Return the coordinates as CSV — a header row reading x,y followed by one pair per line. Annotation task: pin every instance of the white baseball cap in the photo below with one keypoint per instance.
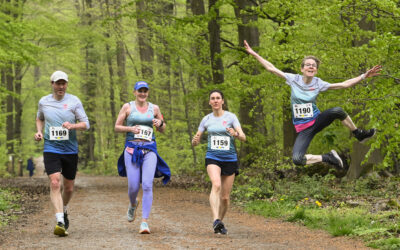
x,y
59,75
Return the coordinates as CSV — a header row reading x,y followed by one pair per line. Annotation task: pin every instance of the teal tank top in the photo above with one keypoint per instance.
x,y
137,118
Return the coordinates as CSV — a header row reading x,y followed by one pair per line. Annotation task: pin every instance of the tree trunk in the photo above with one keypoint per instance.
x,y
8,72
112,83
109,57
356,168
253,126
18,108
90,77
165,9
202,78
121,64
144,38
289,132
359,150
189,130
215,43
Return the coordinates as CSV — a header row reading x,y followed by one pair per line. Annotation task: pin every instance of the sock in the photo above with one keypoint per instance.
x,y
65,208
325,158
355,131
60,217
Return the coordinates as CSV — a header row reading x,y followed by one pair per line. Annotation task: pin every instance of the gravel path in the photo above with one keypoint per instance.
x,y
180,219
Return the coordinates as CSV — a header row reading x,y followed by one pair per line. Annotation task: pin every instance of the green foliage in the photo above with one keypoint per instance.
x,y
339,208
391,243
57,36
8,201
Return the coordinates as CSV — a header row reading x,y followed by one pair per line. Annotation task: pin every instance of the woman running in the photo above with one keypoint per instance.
x,y
140,161
307,118
221,158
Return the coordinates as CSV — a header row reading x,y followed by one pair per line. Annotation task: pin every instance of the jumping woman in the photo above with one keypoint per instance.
x,y
308,120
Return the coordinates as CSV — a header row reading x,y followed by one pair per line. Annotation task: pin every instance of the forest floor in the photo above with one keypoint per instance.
x,y
179,219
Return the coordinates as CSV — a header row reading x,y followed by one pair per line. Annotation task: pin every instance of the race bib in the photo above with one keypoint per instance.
x,y
58,134
220,142
303,110
146,133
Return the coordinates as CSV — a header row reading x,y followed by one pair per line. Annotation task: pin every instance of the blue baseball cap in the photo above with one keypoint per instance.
x,y
141,84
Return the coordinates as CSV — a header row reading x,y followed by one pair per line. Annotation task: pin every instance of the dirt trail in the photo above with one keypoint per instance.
x,y
179,219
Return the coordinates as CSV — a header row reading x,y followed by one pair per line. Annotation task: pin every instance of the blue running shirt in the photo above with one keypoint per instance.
x,y
304,94
55,113
137,118
220,145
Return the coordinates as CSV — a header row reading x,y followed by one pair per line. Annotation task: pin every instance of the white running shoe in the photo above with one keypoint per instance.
x,y
144,228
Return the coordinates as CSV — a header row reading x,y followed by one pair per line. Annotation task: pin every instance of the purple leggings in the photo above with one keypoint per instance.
x,y
133,173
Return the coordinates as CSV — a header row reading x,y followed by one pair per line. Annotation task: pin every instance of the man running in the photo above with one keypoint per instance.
x,y
60,114
307,118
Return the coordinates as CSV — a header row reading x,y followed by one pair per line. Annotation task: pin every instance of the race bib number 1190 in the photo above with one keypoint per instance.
x,y
58,134
303,110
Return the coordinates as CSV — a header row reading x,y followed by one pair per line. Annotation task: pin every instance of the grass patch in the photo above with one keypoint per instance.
x,y
366,209
8,203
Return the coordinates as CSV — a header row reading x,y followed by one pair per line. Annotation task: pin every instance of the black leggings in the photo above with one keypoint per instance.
x,y
304,138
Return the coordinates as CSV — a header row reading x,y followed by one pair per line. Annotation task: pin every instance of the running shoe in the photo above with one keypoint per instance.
x,y
219,227
60,229
364,135
334,159
144,228
130,215
66,221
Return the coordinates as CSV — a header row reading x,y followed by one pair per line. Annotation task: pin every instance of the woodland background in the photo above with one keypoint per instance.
x,y
186,48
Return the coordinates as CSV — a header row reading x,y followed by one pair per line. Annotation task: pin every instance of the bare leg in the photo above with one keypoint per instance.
x,y
349,123
55,192
227,183
313,158
68,191
214,172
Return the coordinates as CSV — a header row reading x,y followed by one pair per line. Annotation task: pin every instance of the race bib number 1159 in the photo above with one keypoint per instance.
x,y
58,134
220,142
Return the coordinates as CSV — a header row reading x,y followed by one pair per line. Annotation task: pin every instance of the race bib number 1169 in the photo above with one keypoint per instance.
x,y
58,134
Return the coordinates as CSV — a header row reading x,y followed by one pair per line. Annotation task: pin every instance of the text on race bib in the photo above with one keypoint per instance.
x,y
303,110
146,133
220,142
58,134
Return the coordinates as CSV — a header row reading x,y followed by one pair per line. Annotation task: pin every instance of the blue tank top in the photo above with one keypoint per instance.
x,y
137,118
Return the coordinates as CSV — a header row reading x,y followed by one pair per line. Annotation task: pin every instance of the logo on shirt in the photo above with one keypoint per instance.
x,y
224,123
65,106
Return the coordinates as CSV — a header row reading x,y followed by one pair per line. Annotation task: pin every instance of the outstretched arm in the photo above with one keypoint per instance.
x,y
269,66
353,81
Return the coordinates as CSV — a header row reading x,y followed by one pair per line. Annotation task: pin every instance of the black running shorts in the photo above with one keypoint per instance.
x,y
227,167
67,164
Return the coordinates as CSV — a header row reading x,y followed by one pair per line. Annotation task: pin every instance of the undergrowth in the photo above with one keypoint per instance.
x,y
367,208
